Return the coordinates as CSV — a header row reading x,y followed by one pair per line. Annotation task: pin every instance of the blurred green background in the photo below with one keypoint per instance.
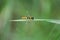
x,y
39,30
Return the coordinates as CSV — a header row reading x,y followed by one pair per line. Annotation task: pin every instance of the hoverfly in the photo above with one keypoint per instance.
x,y
25,17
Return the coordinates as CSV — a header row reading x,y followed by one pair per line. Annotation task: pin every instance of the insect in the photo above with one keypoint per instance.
x,y
29,17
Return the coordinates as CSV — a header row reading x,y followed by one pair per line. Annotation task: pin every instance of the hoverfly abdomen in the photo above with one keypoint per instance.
x,y
24,17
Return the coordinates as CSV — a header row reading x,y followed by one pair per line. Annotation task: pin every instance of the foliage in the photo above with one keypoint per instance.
x,y
40,30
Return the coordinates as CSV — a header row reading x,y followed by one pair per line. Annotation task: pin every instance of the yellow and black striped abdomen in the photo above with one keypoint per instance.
x,y
24,17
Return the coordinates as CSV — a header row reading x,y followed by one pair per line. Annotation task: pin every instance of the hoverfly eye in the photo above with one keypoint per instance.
x,y
32,17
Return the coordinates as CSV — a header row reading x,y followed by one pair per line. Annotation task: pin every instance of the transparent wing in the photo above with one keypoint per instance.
x,y
19,20
48,20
